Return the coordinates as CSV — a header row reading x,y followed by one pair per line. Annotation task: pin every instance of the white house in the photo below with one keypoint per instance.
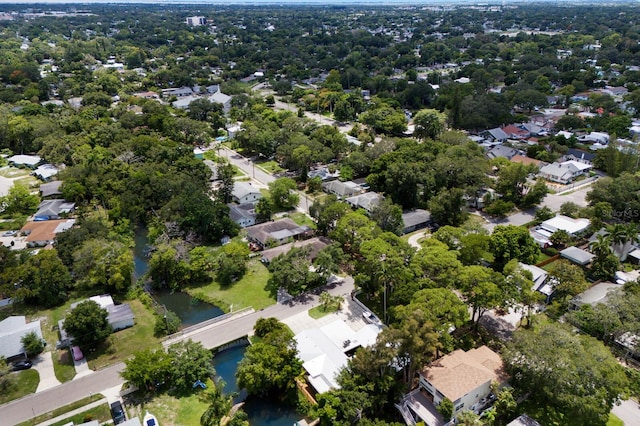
x,y
12,329
220,98
573,227
196,21
564,172
463,377
243,214
245,192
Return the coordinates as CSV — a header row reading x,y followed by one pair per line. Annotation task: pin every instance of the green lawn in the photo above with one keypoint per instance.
x,y
14,172
542,257
20,384
302,219
614,420
61,410
101,413
170,410
270,166
119,345
320,311
63,365
249,291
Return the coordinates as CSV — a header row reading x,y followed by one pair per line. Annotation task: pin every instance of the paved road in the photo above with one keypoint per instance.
x,y
629,412
43,402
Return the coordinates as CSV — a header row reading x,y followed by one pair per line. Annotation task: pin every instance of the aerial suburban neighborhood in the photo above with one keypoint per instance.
x,y
320,214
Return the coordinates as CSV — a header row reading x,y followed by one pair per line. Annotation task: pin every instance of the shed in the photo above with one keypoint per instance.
x,y
577,255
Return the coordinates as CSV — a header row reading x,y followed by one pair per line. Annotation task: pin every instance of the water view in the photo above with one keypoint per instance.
x,y
261,412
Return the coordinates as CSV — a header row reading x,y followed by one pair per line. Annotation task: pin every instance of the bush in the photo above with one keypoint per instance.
x,y
550,251
446,409
33,344
499,208
166,324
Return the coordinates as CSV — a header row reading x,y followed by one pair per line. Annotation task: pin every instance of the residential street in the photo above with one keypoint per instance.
x,y
217,335
629,412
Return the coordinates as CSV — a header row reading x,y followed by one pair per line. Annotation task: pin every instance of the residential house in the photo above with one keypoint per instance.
x,y
179,92
12,330
245,192
367,201
565,172
326,350
53,209
221,98
41,234
45,172
313,245
342,189
119,316
276,233
579,156
616,92
147,95
28,161
184,102
595,137
573,227
541,282
243,214
496,135
595,294
577,256
516,132
50,189
415,219
502,151
527,161
465,378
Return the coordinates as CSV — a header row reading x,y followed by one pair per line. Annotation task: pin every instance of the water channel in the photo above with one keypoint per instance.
x,y
261,412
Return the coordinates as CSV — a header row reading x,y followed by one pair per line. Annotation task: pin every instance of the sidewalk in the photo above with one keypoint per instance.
x,y
74,412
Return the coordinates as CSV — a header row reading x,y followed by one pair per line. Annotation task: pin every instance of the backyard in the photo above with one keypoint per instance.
x,y
171,410
248,291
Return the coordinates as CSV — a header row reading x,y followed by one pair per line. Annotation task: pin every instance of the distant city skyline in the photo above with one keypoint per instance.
x,y
312,2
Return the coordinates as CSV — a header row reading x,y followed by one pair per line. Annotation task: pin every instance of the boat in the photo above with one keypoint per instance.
x,y
149,420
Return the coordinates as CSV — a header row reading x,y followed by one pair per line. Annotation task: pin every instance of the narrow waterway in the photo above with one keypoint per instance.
x,y
261,412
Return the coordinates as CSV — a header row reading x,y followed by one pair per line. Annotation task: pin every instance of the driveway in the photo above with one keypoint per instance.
x,y
628,411
44,365
82,368
413,240
5,185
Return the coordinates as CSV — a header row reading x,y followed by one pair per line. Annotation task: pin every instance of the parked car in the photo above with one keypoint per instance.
x,y
21,365
9,233
77,353
117,412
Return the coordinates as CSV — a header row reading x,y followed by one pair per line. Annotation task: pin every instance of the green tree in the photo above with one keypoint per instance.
x,y
480,290
148,369
103,264
429,123
270,366
232,263
168,266
88,325
225,172
219,410
190,361
448,207
568,278
388,217
19,201
290,271
32,344
445,408
341,407
43,279
167,323
6,379
282,193
513,242
569,395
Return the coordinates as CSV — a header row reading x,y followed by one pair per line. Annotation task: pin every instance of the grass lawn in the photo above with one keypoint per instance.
x,y
119,345
614,420
270,166
210,155
101,413
542,257
302,219
61,410
170,410
14,172
320,311
63,365
22,383
12,223
249,291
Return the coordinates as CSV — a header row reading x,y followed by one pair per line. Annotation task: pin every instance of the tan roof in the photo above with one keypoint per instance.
x,y
525,160
45,230
460,372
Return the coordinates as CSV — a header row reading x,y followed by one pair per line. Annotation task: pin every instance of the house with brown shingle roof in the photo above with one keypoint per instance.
x,y
527,160
463,377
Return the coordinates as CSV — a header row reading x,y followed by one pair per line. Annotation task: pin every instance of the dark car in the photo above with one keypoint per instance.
x,y
117,412
21,365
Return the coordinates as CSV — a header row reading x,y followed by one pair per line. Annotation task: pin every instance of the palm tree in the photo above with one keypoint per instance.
x,y
622,237
601,246
219,406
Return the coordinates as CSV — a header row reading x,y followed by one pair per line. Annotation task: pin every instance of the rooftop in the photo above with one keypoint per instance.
x,y
46,230
572,226
595,294
460,372
577,255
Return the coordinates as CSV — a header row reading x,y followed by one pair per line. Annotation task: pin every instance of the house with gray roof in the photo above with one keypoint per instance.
x,y
579,156
50,189
496,135
577,255
276,233
221,98
541,282
415,219
564,172
243,214
245,192
179,92
29,161
53,209
502,151
45,172
598,293
342,189
12,330
313,245
367,201
184,102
